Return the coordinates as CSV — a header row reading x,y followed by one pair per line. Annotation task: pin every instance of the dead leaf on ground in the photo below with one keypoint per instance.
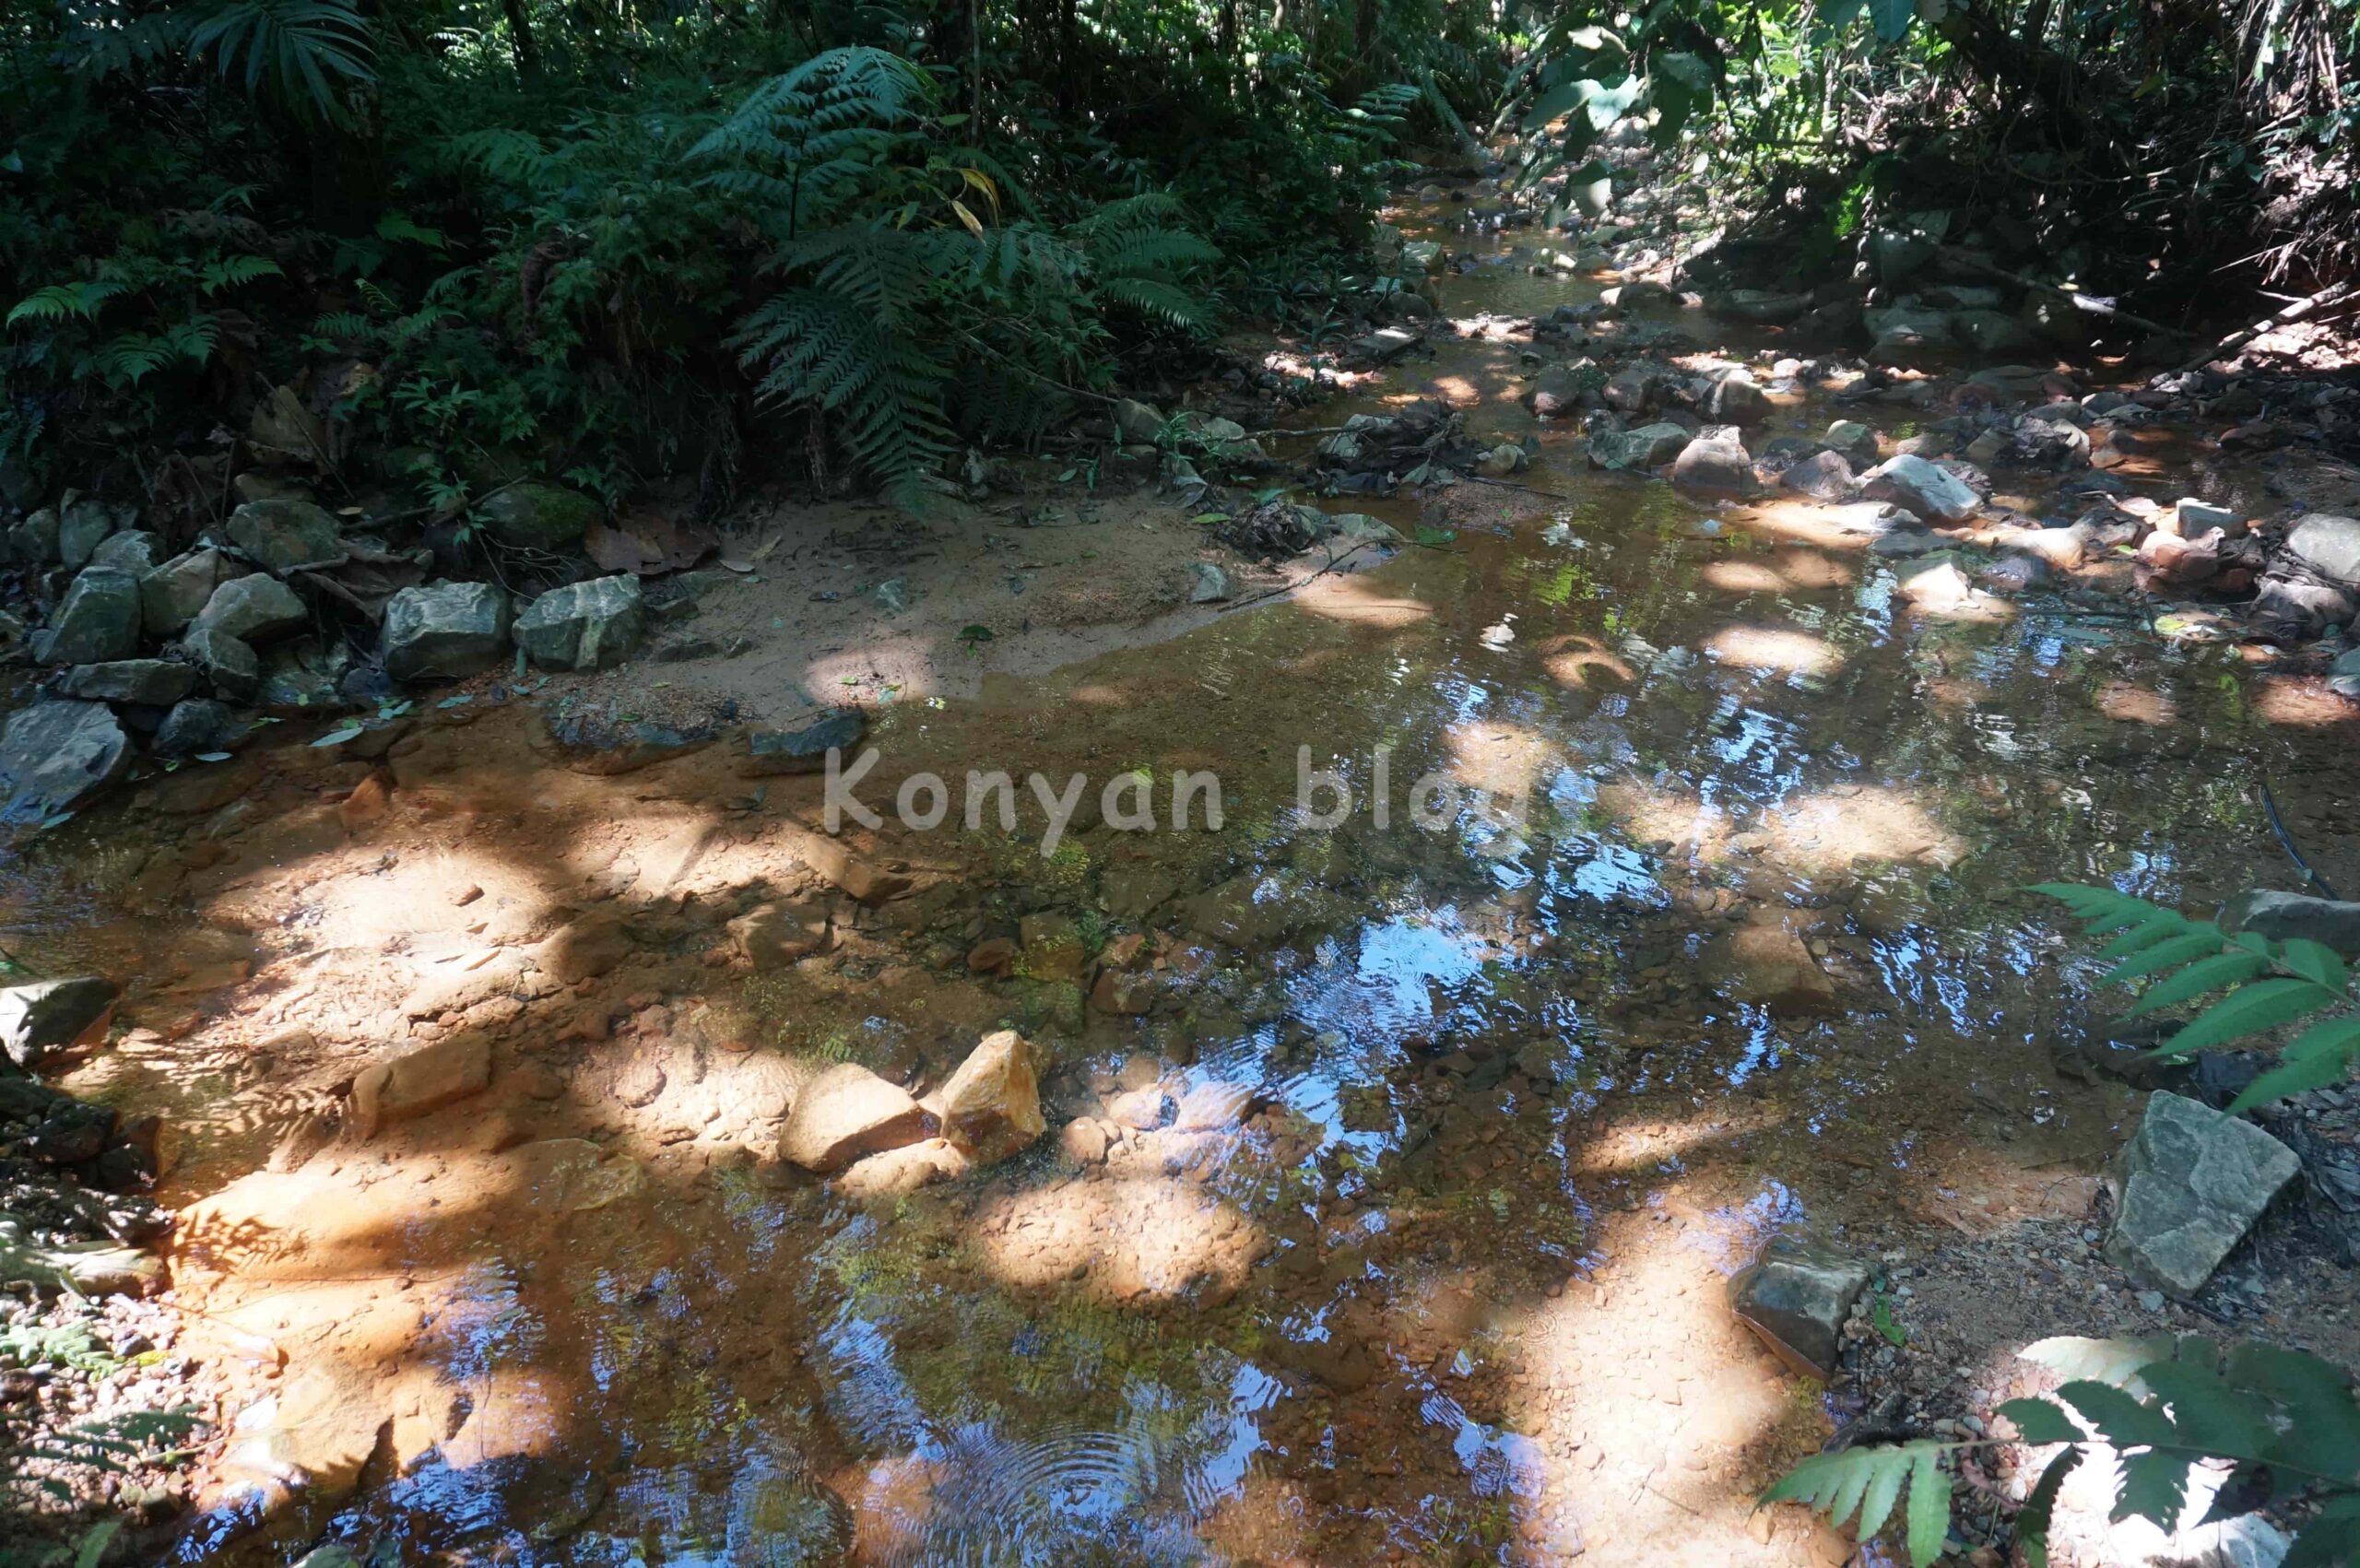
x,y
646,544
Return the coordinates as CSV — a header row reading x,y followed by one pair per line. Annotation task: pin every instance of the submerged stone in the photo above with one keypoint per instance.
x,y
2281,916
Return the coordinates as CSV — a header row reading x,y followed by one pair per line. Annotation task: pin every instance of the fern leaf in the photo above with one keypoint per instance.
x,y
2206,974
1833,1484
2156,924
60,300
2287,1078
1929,1506
2196,943
2249,1011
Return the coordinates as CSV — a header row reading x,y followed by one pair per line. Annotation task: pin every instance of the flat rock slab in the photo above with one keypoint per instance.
x,y
847,1114
803,749
2189,1185
418,1081
1795,1297
54,756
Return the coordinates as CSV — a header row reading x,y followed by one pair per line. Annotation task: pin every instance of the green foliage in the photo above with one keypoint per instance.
x,y
2270,985
301,53
2162,1406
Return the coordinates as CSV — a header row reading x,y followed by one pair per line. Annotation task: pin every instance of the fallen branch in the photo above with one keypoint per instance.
x,y
2335,293
2088,303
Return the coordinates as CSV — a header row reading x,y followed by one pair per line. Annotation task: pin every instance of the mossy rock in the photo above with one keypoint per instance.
x,y
536,516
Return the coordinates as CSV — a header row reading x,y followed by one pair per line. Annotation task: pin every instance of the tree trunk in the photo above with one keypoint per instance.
x,y
1225,30
520,39
1068,68
1364,31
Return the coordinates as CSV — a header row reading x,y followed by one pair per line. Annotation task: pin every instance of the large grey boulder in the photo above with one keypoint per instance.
x,y
1795,1297
172,594
1993,332
1927,489
1909,336
54,756
2188,1184
2331,922
592,625
536,516
253,608
49,1015
803,749
98,620
2329,546
1649,446
445,629
158,683
34,541
280,534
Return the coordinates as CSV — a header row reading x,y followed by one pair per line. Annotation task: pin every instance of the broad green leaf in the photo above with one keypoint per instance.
x,y
2264,1004
2334,1037
2039,1421
2290,1078
2205,975
2153,1486
2032,1522
2331,1541
2314,962
2208,1414
1892,18
2116,1417
1929,1507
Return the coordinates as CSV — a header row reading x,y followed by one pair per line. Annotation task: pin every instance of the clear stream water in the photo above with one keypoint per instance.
x,y
1462,1127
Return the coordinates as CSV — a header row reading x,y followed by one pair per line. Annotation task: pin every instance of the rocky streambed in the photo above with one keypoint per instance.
x,y
574,1153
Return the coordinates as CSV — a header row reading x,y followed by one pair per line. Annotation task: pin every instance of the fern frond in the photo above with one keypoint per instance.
x,y
835,354
2188,960
1868,1480
1166,301
230,272
60,300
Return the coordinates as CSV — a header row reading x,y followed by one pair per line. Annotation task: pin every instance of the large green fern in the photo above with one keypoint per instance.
x,y
2279,1416
2270,984
913,307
